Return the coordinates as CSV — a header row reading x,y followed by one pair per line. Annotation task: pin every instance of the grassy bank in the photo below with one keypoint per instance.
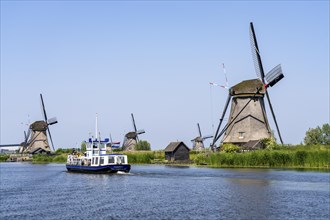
x,y
299,156
137,157
56,158
283,157
145,157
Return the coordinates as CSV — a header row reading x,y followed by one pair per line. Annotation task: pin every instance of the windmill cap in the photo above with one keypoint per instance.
x,y
131,134
248,87
39,126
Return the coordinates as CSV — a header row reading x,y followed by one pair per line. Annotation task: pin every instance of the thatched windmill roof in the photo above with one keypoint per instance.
x,y
39,126
248,87
131,134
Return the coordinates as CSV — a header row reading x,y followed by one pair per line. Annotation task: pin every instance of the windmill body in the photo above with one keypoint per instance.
x,y
38,142
36,139
131,138
130,141
198,142
250,123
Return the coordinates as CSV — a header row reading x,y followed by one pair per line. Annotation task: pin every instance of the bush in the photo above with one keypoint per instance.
x,y
63,151
142,145
3,157
269,143
229,148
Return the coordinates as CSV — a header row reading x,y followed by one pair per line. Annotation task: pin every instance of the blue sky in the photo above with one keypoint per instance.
x,y
155,59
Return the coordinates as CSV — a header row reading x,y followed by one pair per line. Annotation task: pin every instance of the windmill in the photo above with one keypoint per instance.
x,y
131,138
36,140
248,119
198,142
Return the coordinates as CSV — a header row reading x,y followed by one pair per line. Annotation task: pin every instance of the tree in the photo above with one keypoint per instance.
x,y
142,145
83,146
318,135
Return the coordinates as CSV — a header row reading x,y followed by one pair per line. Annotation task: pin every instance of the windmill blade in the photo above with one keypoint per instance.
x,y
274,76
133,121
221,120
51,140
256,54
27,135
274,117
199,130
43,107
110,138
207,137
224,71
260,72
52,121
141,131
214,84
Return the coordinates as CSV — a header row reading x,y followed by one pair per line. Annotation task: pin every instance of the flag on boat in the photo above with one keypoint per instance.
x,y
115,144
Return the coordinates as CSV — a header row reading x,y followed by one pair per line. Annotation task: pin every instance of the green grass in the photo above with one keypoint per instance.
x,y
3,157
52,158
144,157
283,157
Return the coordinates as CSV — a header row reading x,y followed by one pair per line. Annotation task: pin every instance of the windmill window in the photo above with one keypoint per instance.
x,y
241,135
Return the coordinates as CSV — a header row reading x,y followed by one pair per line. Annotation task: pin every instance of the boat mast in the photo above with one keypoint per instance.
x,y
96,132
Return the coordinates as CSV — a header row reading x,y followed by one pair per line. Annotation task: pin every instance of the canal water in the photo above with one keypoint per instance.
x,y
48,191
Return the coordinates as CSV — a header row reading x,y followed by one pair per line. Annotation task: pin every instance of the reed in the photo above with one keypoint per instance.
x,y
52,158
293,157
144,157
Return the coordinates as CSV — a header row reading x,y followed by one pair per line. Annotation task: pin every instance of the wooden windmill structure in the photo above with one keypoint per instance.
x,y
36,139
198,142
248,120
131,138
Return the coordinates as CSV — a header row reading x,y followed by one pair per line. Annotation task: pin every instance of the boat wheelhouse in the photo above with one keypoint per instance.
x,y
96,160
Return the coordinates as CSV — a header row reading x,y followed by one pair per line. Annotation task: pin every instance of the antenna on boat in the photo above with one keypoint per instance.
x,y
96,128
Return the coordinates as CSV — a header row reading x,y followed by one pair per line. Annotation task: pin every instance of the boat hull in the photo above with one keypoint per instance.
x,y
99,169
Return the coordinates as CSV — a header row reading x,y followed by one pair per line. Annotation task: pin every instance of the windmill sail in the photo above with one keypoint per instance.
x,y
260,72
274,75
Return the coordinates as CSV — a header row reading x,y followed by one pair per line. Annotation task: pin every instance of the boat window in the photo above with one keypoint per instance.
x,y
122,159
101,160
111,160
96,160
93,160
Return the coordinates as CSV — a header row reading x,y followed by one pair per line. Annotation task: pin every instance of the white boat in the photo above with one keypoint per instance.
x,y
96,160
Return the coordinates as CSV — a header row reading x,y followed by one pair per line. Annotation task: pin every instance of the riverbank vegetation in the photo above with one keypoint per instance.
x,y
4,157
273,156
278,156
300,156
